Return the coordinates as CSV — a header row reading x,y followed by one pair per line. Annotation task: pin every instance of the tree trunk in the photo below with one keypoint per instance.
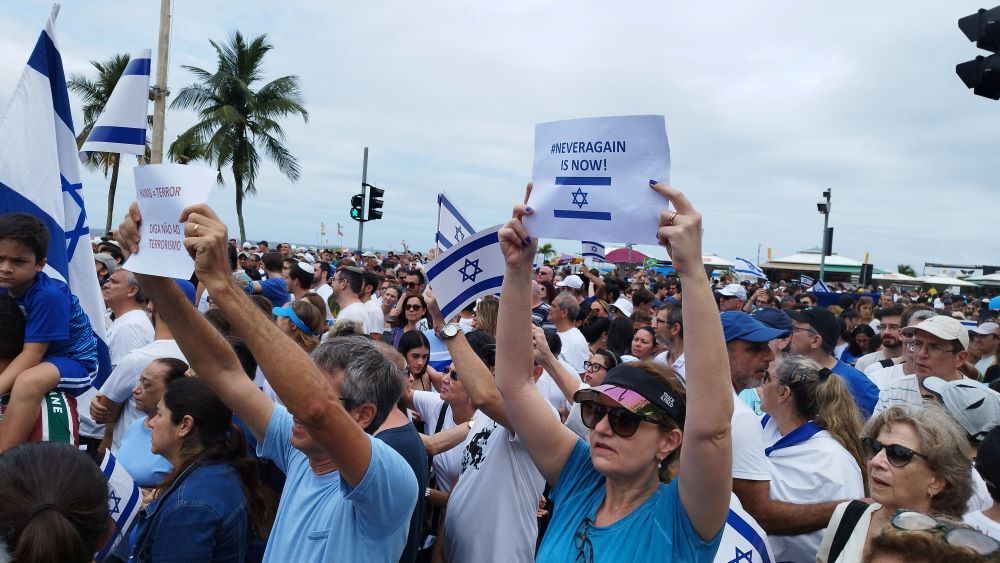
x,y
239,205
111,192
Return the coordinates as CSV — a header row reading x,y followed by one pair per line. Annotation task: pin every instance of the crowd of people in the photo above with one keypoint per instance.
x,y
303,404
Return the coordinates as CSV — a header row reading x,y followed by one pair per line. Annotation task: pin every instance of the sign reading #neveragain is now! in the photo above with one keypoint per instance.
x,y
163,191
591,179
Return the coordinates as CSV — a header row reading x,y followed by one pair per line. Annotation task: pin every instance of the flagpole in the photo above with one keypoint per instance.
x,y
159,91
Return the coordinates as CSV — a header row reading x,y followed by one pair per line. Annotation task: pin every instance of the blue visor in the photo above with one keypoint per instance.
x,y
290,314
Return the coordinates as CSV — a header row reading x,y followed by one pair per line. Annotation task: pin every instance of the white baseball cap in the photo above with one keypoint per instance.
x,y
572,281
986,329
734,290
945,328
623,305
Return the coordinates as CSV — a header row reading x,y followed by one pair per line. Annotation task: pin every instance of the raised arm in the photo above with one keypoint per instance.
x,y
291,373
569,383
548,442
476,377
706,476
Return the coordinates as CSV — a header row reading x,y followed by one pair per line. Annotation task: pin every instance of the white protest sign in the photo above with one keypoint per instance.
x,y
163,191
591,179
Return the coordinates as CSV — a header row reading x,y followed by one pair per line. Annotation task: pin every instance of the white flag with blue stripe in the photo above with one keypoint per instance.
x,y
121,128
40,175
820,287
593,250
806,280
743,540
467,271
124,501
452,226
748,268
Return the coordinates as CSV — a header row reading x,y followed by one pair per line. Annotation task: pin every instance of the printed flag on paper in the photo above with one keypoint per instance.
x,y
40,175
593,250
742,539
121,128
452,227
467,271
123,501
748,268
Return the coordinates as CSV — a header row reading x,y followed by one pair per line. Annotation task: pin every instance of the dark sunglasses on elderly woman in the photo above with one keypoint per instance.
x,y
622,421
898,456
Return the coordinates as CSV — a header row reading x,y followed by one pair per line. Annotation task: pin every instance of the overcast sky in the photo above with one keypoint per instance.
x,y
767,103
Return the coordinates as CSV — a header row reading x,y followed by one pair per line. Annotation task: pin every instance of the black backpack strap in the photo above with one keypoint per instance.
x,y
438,427
848,521
886,363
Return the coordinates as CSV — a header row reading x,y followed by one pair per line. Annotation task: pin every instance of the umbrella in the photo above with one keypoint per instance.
x,y
995,303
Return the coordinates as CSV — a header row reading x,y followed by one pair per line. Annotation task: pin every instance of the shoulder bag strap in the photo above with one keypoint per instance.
x,y
848,521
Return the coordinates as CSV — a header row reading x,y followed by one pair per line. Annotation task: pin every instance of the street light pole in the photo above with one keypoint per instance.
x,y
160,88
824,207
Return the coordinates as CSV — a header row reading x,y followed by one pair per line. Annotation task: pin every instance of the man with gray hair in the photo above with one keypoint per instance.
x,y
562,315
347,496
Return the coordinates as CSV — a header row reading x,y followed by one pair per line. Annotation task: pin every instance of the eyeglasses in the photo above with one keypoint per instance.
x,y
593,367
917,346
898,456
622,421
410,285
416,307
584,548
958,537
803,329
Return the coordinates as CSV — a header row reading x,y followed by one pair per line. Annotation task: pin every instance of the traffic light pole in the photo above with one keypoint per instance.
x,y
364,183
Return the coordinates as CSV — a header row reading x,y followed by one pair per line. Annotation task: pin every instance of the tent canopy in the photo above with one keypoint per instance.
x,y
989,280
945,281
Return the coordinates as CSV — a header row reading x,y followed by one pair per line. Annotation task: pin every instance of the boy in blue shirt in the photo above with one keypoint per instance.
x,y
60,348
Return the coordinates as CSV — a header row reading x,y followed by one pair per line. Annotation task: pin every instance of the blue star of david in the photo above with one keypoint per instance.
x,y
80,229
579,198
459,235
742,556
593,248
476,270
115,499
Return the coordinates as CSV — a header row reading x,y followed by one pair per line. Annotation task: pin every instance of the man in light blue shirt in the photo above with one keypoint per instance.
x,y
347,497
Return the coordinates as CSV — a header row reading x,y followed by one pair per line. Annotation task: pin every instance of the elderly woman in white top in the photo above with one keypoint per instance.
x,y
811,438
917,462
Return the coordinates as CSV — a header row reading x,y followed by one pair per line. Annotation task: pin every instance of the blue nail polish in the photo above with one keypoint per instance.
x,y
527,240
529,210
651,182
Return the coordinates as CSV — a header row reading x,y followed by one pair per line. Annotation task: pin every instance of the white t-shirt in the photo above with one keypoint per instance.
x,y
575,349
356,312
980,499
126,333
376,320
796,479
678,364
749,461
869,359
883,377
325,291
125,377
985,363
980,522
447,464
492,510
552,392
902,390
855,546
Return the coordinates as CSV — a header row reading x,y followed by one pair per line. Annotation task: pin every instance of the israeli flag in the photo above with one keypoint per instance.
x,y
806,280
467,271
123,501
742,539
820,287
593,250
40,175
452,226
121,128
748,268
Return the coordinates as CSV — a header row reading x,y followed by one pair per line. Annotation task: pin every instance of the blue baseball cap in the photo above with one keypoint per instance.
x,y
737,325
187,287
773,318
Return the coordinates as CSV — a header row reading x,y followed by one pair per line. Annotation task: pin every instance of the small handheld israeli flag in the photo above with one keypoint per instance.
x,y
806,280
121,128
749,269
452,226
820,287
742,539
467,271
593,250
123,501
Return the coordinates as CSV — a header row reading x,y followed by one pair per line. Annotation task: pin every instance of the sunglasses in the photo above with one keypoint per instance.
x,y
958,537
622,421
593,367
410,285
414,307
453,374
898,456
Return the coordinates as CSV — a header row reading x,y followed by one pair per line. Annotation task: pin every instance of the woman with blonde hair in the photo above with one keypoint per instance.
x,y
486,315
810,436
916,461
301,321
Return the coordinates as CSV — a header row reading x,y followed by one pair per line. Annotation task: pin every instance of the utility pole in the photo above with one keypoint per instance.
x,y
824,207
159,92
364,183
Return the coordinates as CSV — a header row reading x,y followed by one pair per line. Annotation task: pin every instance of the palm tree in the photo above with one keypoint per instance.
x,y
906,270
95,94
237,125
546,250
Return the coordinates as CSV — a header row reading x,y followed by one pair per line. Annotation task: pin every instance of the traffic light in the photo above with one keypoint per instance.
x,y
828,242
357,201
374,203
982,74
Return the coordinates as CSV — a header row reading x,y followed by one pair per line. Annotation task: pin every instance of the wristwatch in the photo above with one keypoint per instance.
x,y
450,330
